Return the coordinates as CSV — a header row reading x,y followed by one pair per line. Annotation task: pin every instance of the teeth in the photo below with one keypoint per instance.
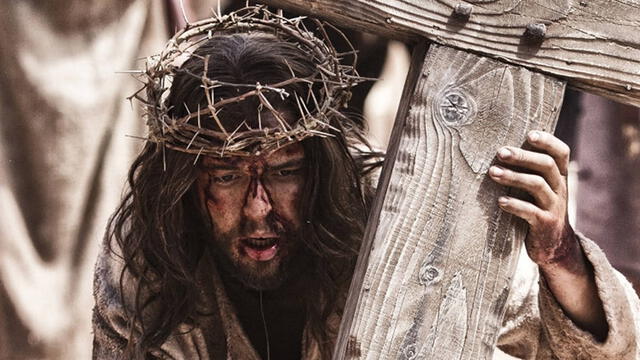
x,y
261,242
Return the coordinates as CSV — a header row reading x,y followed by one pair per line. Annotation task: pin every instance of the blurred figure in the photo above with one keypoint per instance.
x,y
63,159
608,207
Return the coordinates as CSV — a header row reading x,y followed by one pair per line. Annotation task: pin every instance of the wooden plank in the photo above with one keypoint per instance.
x,y
436,268
415,72
594,44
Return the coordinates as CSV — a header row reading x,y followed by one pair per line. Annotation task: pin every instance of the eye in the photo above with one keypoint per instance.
x,y
287,172
224,179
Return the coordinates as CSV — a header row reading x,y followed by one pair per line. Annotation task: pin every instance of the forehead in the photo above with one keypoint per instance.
x,y
267,119
244,115
291,152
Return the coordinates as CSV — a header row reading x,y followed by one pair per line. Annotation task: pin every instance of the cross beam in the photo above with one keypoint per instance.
x,y
441,254
593,44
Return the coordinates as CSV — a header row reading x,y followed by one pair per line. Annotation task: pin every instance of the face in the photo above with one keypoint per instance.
x,y
254,206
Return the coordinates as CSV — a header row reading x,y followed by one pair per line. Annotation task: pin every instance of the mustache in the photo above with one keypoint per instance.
x,y
273,223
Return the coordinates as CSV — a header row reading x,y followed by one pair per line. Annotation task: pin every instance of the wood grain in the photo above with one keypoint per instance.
x,y
436,268
344,343
593,44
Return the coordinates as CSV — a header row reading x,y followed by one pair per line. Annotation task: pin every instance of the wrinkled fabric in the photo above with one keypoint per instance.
x,y
64,156
534,327
217,335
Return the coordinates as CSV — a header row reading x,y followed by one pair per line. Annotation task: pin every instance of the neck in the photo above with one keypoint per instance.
x,y
281,311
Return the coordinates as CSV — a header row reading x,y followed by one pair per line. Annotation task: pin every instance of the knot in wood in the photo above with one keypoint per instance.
x,y
455,108
428,274
410,352
536,31
462,11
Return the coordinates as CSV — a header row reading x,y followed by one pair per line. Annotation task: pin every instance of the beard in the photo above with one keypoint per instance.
x,y
234,263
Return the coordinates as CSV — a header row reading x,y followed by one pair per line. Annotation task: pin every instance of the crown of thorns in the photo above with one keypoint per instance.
x,y
186,134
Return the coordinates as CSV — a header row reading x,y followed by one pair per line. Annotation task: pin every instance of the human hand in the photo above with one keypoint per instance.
x,y
542,174
550,242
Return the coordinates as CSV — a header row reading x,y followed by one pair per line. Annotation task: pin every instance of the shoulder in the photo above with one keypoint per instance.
x,y
110,323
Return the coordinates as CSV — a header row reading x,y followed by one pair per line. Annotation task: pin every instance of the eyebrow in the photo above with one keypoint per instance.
x,y
221,164
290,163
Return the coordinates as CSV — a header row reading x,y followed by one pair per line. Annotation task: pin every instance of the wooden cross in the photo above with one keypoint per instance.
x,y
435,268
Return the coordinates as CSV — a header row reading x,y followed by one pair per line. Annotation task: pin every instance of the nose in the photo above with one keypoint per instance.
x,y
258,204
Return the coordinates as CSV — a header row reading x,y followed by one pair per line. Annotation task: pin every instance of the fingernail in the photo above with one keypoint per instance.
x,y
502,200
504,153
496,171
534,135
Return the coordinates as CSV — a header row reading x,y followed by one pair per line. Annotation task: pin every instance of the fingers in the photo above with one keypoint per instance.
x,y
533,184
540,163
541,173
553,146
522,209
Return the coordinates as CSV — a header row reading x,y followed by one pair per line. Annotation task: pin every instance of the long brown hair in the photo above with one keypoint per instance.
x,y
162,231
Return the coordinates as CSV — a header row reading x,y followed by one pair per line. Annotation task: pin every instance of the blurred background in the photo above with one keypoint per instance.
x,y
64,153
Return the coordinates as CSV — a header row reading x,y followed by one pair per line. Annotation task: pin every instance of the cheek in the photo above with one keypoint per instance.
x,y
224,208
286,200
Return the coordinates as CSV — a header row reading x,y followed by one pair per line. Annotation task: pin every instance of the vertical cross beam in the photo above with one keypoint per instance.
x,y
438,256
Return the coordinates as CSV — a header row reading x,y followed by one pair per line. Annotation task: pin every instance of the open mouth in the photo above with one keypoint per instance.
x,y
260,249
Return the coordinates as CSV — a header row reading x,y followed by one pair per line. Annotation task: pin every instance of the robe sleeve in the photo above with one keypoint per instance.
x,y
110,325
111,329
535,327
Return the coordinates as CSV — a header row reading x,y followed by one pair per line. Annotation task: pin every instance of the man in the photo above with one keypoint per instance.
x,y
242,223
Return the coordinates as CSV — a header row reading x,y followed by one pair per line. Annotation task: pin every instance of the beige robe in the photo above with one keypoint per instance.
x,y
534,326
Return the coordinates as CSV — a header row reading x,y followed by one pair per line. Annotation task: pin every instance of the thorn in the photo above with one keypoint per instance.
x,y
198,156
164,157
136,137
184,12
199,124
192,139
130,72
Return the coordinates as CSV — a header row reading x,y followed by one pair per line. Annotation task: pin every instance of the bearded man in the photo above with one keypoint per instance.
x,y
239,232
